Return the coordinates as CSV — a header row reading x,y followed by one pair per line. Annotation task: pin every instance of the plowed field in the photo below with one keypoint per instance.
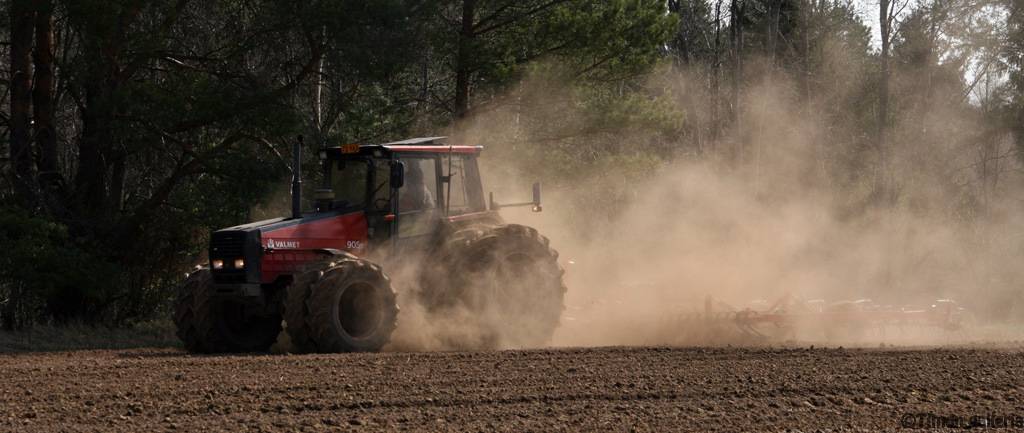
x,y
540,390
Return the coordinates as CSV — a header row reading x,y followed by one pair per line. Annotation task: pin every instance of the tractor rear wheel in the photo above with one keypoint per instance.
x,y
207,324
507,276
351,307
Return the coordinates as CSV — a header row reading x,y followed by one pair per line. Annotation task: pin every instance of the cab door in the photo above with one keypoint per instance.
x,y
418,202
463,193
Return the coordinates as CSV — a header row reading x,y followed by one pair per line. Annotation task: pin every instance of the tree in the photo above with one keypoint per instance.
x,y
695,36
43,104
888,11
737,12
495,39
1014,56
22,23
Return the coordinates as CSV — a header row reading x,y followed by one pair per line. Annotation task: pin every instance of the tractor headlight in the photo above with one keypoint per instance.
x,y
239,263
217,264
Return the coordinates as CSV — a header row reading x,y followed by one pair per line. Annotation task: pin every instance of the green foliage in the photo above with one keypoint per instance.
x,y
43,272
590,40
612,39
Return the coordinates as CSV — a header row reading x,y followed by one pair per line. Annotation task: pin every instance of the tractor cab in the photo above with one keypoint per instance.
x,y
405,189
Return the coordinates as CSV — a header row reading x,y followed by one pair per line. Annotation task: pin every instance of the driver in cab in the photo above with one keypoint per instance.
x,y
415,195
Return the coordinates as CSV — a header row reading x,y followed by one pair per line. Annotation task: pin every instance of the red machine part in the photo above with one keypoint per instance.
x,y
287,249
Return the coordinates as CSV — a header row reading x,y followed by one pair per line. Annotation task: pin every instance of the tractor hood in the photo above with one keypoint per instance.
x,y
279,247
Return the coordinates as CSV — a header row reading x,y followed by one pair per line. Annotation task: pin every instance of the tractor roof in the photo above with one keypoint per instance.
x,y
429,144
413,145
421,141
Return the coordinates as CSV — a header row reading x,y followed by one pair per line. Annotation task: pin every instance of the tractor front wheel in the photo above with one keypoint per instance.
x,y
350,306
207,324
296,315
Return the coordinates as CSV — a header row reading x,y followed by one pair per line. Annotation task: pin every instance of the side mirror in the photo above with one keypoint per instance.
x,y
397,174
536,197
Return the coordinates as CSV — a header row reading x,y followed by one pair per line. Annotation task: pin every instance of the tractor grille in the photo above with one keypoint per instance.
x,y
229,277
227,245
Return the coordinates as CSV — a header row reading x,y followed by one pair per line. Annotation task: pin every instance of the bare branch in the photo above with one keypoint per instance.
x,y
977,79
157,36
524,15
246,106
496,13
893,12
266,143
162,192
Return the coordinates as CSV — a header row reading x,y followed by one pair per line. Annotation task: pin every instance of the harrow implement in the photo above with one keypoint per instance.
x,y
790,318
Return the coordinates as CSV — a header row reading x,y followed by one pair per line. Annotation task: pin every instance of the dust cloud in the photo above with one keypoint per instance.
x,y
696,233
769,212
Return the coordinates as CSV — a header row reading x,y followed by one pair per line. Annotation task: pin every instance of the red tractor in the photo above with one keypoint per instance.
x,y
415,204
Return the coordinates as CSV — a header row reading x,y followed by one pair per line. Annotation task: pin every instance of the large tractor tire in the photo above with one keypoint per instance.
x,y
184,315
207,324
507,277
346,305
295,312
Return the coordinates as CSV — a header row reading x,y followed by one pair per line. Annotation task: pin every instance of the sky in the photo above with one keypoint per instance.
x,y
868,10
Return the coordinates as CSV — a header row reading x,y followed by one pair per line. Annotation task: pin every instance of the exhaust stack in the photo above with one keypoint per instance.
x,y
297,179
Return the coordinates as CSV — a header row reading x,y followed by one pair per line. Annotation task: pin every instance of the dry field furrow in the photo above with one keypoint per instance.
x,y
541,390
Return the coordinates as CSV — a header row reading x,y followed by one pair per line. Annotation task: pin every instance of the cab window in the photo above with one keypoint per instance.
x,y
420,189
456,189
466,195
348,180
381,187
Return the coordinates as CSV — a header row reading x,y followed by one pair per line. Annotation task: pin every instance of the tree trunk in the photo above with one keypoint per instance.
x,y
736,36
883,90
22,23
680,42
716,68
117,179
318,100
462,63
805,53
42,100
97,133
774,11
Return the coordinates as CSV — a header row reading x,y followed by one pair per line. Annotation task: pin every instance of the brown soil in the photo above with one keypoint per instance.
x,y
544,390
